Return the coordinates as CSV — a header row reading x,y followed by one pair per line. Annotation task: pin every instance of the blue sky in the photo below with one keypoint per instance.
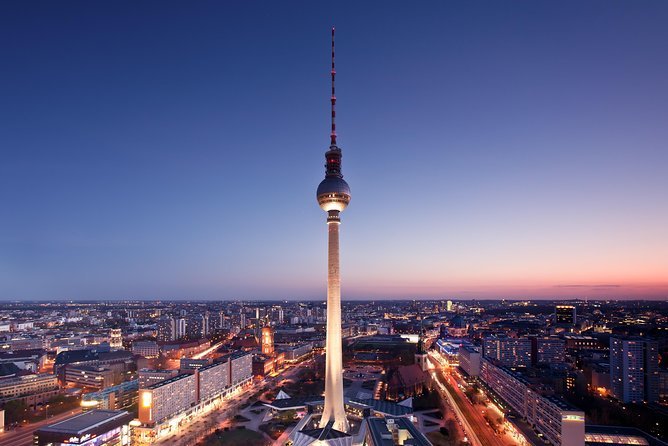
x,y
173,149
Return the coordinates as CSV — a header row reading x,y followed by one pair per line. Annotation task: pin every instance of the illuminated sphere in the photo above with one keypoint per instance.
x,y
333,194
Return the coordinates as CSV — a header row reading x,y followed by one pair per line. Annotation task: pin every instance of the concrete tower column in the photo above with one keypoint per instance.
x,y
334,409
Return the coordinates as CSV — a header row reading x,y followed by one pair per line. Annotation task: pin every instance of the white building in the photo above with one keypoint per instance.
x,y
560,423
469,359
166,399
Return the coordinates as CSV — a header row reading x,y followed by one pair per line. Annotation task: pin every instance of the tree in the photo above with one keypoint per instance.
x,y
15,411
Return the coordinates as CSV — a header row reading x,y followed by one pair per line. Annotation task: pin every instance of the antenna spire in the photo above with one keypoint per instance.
x,y
333,133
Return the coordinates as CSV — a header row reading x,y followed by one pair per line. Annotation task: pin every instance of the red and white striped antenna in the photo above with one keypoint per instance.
x,y
333,134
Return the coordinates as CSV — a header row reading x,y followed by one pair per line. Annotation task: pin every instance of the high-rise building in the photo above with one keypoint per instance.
x,y
634,369
166,329
448,305
511,352
195,326
180,328
161,401
333,197
548,350
565,315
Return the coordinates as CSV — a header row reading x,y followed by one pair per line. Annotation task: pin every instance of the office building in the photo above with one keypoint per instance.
x,y
147,377
391,431
89,377
166,328
193,364
147,349
33,390
510,352
180,330
549,350
565,315
166,399
241,367
634,369
214,379
118,397
558,422
469,360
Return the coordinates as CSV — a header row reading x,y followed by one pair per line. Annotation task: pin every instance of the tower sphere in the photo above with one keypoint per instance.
x,y
333,194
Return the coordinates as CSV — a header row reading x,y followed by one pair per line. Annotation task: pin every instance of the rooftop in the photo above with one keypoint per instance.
x,y
83,423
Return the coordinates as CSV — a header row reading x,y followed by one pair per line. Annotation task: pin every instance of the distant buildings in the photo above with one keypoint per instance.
x,y
634,369
116,339
565,315
89,377
166,329
147,349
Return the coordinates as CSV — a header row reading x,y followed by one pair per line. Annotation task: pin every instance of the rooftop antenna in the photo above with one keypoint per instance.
x,y
333,99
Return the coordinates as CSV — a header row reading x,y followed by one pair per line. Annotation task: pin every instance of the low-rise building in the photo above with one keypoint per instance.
x,y
390,431
117,397
148,349
90,377
104,427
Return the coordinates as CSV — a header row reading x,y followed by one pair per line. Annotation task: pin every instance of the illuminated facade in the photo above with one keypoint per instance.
x,y
634,369
92,428
166,399
333,196
565,315
267,341
558,422
511,352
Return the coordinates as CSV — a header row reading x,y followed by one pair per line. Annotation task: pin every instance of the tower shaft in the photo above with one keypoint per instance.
x,y
334,409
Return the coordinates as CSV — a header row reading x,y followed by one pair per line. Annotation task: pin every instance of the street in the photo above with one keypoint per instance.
x,y
23,436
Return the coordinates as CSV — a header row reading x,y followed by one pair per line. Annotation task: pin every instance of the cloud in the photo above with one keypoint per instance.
x,y
588,286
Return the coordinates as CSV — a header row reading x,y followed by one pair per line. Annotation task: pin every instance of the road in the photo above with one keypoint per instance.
x,y
477,429
23,436
208,351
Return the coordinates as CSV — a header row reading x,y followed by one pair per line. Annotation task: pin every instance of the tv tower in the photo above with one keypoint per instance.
x,y
333,197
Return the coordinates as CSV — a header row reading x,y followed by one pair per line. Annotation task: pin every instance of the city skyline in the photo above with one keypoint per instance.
x,y
142,151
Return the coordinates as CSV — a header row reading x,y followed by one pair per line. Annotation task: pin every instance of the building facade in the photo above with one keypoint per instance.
x,y
634,369
560,423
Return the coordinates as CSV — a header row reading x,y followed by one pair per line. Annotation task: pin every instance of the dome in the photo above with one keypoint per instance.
x,y
333,194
